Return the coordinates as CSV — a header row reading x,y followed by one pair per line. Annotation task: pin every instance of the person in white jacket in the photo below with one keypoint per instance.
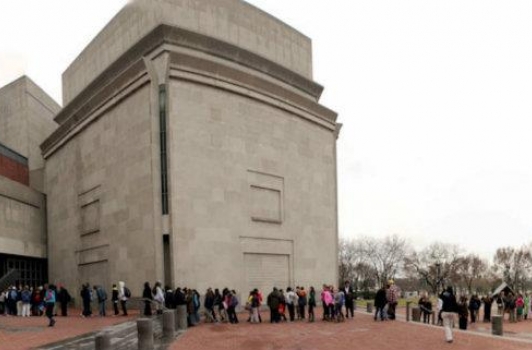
x,y
158,296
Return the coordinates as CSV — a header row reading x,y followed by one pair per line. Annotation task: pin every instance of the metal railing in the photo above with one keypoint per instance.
x,y
9,279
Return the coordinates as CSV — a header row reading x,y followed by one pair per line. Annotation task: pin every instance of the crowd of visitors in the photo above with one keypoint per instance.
x,y
287,305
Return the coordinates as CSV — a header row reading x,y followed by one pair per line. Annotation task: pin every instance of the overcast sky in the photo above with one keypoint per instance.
x,y
435,98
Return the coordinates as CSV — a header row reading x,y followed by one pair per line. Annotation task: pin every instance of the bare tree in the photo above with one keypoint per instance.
x,y
385,256
513,264
353,265
346,260
471,268
435,265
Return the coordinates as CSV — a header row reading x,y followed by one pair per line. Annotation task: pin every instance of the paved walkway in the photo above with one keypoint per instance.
x,y
359,333
19,333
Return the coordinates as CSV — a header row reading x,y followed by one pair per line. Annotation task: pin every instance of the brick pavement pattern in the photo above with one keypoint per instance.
x,y
17,333
359,333
20,333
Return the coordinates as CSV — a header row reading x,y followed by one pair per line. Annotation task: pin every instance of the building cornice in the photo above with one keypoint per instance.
x,y
130,68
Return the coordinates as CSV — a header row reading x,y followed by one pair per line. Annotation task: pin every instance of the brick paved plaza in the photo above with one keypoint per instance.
x,y
361,333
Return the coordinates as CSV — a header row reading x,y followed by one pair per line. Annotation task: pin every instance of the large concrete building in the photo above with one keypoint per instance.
x,y
26,119
192,149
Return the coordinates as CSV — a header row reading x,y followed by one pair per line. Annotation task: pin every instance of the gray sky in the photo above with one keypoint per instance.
x,y
435,98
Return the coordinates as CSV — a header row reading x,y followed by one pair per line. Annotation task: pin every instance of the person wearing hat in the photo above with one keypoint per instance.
x,y
392,294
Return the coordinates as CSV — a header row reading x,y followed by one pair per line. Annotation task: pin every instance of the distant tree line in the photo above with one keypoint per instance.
x,y
369,262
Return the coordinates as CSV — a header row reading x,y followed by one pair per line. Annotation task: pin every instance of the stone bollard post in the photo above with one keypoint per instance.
x,y
145,330
182,317
408,303
168,324
102,341
416,314
176,320
496,325
369,307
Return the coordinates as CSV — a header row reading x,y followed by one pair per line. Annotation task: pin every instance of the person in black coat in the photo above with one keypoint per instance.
x,y
380,303
487,308
148,298
463,313
63,297
448,310
86,297
349,299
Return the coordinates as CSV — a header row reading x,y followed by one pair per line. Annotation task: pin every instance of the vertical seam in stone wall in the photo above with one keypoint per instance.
x,y
164,159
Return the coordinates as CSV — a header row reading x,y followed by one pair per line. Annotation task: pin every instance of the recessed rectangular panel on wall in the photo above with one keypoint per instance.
x,y
90,218
265,271
266,193
89,202
96,274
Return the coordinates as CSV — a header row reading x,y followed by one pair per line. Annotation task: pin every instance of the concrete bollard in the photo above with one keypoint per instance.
x,y
145,330
408,303
102,341
182,317
168,324
176,320
496,325
416,314
369,307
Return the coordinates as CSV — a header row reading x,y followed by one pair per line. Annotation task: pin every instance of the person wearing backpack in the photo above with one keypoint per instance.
x,y
49,302
123,295
101,294
25,296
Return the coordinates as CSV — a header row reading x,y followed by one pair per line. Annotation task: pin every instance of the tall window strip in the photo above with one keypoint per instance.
x,y
164,159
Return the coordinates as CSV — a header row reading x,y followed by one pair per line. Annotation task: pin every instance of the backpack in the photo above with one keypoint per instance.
x,y
26,296
234,301
127,292
13,295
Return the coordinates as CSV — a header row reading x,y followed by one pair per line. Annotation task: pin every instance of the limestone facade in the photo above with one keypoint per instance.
x,y
193,152
26,119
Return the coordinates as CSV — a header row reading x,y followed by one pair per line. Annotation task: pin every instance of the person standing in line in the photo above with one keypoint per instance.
x,y
255,303
474,306
101,295
114,299
449,309
123,293
158,296
63,297
49,302
210,315
349,300
487,308
26,300
380,303
273,303
148,298
462,313
291,300
86,297
301,302
392,294
311,304
527,306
